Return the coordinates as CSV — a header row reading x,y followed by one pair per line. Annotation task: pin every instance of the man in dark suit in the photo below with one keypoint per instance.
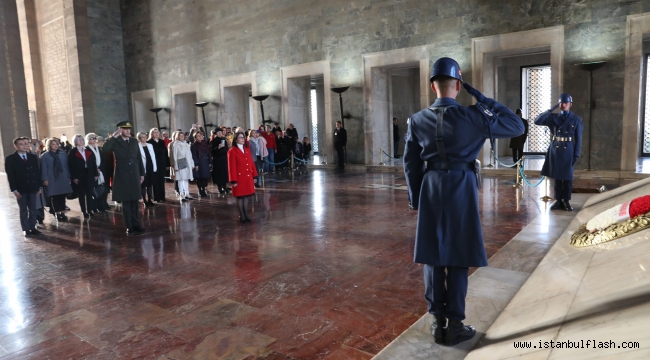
x,y
24,175
340,141
517,143
395,138
448,239
129,174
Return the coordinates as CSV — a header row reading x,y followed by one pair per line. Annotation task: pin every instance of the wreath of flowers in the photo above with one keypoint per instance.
x,y
616,222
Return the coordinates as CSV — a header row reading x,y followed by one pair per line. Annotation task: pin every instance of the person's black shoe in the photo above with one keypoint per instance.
x,y
35,232
189,197
439,329
86,215
130,232
242,220
149,204
567,205
248,220
457,332
558,205
203,194
138,230
40,222
67,208
27,233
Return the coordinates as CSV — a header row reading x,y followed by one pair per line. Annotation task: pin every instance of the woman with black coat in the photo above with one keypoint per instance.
x,y
202,157
219,149
162,160
100,203
83,172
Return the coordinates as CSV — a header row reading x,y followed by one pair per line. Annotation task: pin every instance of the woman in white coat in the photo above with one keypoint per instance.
x,y
181,156
150,168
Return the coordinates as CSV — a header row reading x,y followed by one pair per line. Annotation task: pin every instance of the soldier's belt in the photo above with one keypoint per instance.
x,y
557,138
434,165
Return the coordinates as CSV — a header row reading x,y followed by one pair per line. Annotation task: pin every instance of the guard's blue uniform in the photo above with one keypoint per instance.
x,y
564,150
448,228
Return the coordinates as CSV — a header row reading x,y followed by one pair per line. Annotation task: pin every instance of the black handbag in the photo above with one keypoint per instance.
x,y
99,190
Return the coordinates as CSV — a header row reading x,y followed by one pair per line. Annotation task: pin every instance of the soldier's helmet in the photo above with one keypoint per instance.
x,y
565,98
446,67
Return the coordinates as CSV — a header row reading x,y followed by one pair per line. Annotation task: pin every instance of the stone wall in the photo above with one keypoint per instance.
x,y
171,42
108,74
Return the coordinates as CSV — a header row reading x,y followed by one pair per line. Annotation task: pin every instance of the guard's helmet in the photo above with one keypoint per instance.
x,y
565,98
446,67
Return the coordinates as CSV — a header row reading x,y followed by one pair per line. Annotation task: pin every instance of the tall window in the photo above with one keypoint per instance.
x,y
314,121
645,151
536,98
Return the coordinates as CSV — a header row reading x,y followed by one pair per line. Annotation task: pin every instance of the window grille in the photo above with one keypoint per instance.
x,y
646,113
314,121
537,99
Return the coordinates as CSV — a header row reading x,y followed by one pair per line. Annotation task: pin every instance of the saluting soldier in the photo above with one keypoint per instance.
x,y
448,240
564,150
129,174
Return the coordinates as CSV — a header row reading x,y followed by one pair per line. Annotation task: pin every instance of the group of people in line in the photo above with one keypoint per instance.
x,y
46,174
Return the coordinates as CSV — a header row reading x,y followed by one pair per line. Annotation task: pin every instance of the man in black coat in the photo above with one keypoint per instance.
x,y
129,174
395,138
292,133
24,175
340,141
517,143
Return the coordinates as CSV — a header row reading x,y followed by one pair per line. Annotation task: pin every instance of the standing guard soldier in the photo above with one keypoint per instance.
x,y
129,174
564,150
449,240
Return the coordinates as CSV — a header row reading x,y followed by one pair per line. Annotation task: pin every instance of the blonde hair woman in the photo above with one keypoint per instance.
x,y
150,168
55,175
83,172
181,157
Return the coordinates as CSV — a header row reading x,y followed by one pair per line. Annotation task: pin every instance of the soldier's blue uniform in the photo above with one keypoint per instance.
x,y
448,238
564,150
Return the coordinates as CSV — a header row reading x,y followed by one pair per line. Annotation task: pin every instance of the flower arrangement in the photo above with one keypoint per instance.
x,y
620,213
614,223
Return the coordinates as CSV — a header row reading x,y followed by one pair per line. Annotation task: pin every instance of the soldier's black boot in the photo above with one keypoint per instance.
x,y
457,332
558,205
567,205
439,329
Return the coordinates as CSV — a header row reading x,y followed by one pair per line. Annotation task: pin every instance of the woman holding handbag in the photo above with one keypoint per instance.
x,y
56,177
242,172
101,190
83,172
150,169
181,156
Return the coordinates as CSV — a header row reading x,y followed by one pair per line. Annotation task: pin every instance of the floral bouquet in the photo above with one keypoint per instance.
x,y
621,220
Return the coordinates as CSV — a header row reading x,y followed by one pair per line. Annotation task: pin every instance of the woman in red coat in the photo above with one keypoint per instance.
x,y
241,174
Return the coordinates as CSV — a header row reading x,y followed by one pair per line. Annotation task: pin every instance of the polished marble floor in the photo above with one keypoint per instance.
x,y
324,271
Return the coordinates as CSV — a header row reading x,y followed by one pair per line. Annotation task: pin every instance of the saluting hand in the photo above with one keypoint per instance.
x,y
475,93
555,106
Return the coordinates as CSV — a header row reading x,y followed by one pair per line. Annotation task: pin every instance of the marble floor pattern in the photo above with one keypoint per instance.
x,y
324,271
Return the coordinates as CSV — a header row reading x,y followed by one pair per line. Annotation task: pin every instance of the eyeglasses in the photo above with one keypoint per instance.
x,y
92,138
